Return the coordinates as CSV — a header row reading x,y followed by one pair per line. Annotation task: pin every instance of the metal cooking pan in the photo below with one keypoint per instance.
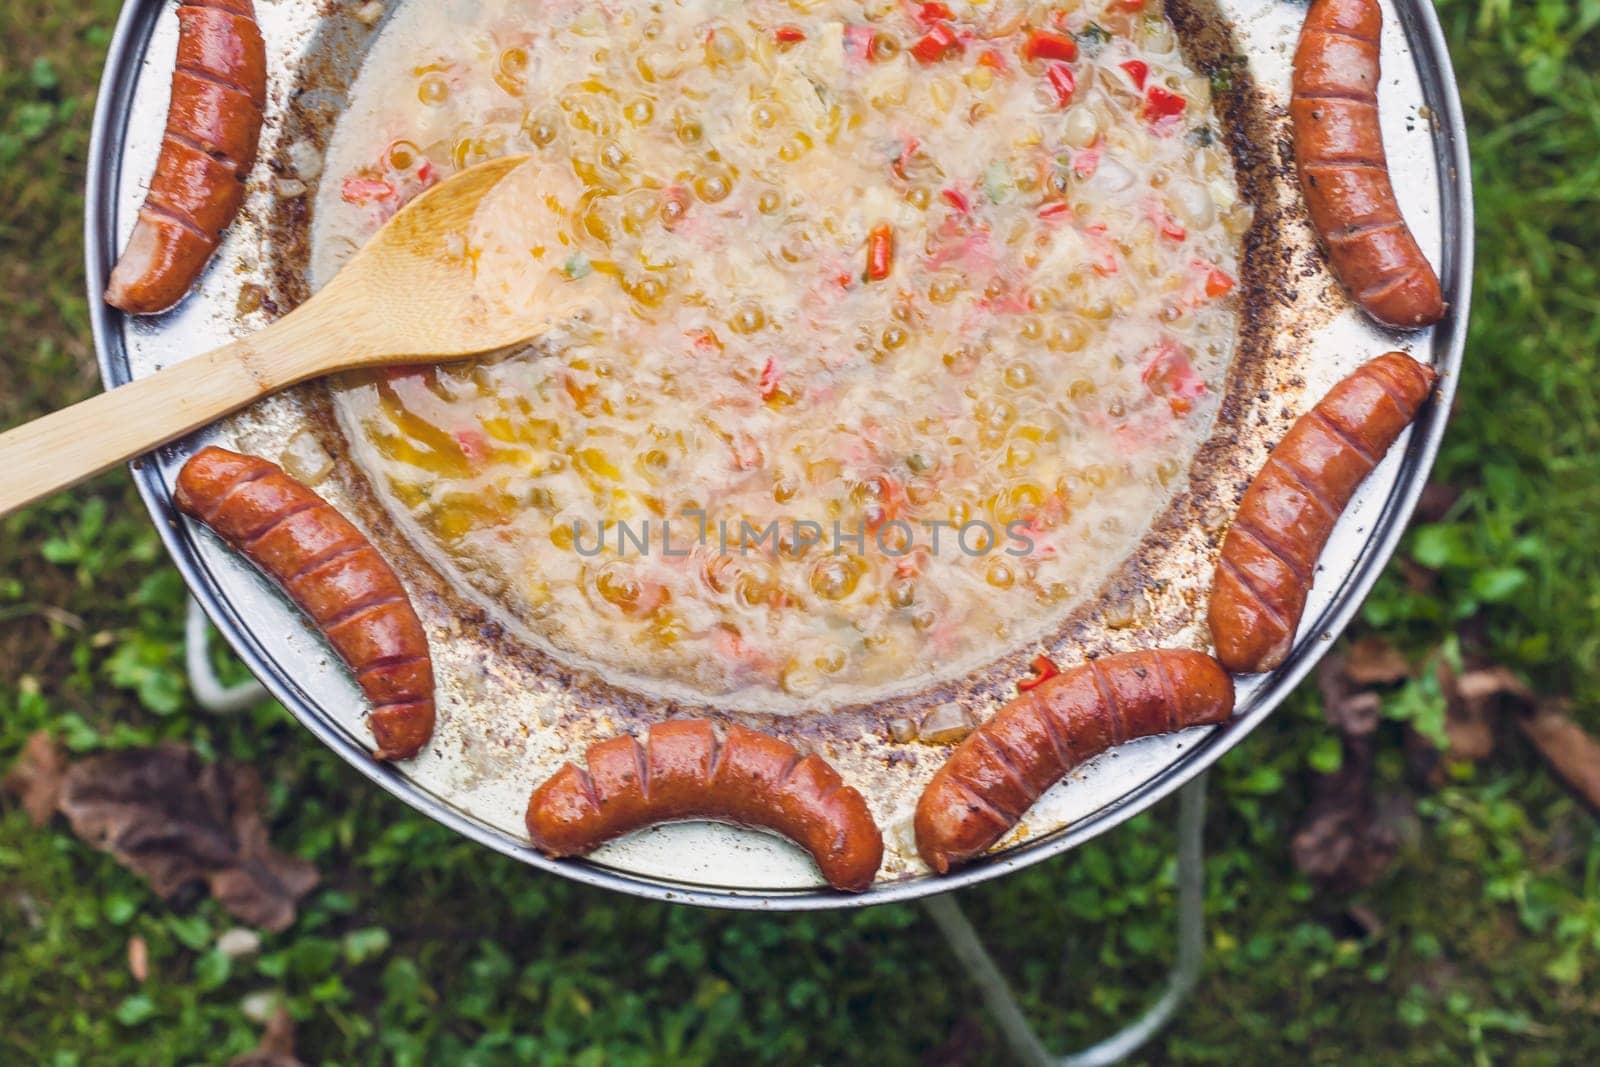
x,y
512,710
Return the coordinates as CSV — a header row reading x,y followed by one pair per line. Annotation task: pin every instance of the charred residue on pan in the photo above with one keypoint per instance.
x,y
1167,577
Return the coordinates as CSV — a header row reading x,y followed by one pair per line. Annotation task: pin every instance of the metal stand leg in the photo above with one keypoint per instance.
x,y
209,692
1002,1002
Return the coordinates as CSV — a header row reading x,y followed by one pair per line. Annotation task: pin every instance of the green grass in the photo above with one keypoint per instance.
x,y
420,948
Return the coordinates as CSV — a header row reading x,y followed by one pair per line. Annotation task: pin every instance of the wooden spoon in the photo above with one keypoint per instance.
x,y
408,296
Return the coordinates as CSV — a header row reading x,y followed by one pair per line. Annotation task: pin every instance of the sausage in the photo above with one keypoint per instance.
x,y
219,93
684,772
1338,148
1000,769
1264,573
333,573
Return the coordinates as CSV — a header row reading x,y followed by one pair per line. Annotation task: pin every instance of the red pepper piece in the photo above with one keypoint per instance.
x,y
789,34
957,199
1217,282
703,340
1042,44
770,377
858,42
1085,161
934,12
1161,104
1171,376
905,156
1044,668
1106,265
357,190
473,444
880,252
1138,70
1061,80
937,44
1168,226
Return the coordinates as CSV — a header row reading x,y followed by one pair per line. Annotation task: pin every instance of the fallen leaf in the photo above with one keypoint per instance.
x,y
262,889
1352,711
1418,578
1342,844
260,1006
1471,703
277,1045
176,820
238,943
1494,684
35,778
138,958
1572,754
1365,920
1435,503
1424,759
1474,701
1374,661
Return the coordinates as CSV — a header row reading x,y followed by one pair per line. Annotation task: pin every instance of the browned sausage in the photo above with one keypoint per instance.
x,y
336,577
219,91
1344,170
1270,553
684,772
1000,769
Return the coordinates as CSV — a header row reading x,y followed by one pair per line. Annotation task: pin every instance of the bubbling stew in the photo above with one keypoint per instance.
x,y
900,322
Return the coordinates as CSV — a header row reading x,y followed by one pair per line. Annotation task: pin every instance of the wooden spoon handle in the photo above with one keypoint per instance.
x,y
68,446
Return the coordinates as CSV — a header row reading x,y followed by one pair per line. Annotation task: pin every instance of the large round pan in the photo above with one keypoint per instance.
x,y
503,719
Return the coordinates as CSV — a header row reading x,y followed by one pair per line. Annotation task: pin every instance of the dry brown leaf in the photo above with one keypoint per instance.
x,y
1348,709
1568,748
1480,688
1366,920
1342,844
1470,710
175,820
1374,661
1468,741
138,958
35,778
1474,701
277,1045
262,888
1418,578
1436,502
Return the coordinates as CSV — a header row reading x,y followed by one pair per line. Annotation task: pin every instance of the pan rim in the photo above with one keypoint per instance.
x,y
129,42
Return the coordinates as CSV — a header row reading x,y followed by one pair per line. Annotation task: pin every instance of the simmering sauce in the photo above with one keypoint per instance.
x,y
900,322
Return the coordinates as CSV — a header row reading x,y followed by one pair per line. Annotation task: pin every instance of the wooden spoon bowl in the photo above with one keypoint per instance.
x,y
409,295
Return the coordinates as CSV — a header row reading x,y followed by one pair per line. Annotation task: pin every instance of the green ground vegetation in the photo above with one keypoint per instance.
x,y
421,948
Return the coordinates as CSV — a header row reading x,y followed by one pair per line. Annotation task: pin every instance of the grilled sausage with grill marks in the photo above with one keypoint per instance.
x,y
219,91
1270,553
1344,171
684,772
333,573
1000,769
